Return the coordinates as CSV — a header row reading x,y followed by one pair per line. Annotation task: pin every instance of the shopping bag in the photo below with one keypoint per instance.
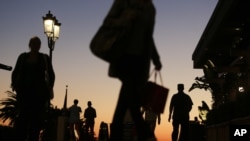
x,y
155,96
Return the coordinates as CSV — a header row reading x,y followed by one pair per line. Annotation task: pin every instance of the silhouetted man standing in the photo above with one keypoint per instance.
x,y
180,105
90,115
74,119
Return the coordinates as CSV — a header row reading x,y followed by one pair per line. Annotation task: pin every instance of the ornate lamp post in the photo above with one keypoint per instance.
x,y
52,31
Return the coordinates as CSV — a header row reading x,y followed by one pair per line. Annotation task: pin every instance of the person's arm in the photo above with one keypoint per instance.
x,y
191,104
155,56
16,74
159,118
95,114
170,110
170,114
51,72
85,113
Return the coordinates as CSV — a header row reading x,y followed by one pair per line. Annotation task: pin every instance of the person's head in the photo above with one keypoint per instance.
x,y
35,44
89,103
75,101
180,87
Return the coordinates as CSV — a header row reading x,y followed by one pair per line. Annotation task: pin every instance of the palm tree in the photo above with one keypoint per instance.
x,y
9,113
8,110
203,111
210,81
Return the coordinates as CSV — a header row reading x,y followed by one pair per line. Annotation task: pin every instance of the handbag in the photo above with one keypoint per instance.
x,y
155,95
106,42
103,41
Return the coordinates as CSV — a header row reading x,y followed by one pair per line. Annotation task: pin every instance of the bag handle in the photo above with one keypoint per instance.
x,y
155,75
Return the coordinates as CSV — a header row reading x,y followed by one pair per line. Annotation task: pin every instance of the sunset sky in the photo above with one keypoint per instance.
x,y
179,26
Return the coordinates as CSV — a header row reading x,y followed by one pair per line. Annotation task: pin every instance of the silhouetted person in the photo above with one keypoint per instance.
x,y
90,115
136,49
33,92
151,118
180,106
103,132
74,119
196,120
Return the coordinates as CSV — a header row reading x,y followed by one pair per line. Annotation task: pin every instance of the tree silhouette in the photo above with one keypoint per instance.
x,y
9,113
210,81
8,110
203,111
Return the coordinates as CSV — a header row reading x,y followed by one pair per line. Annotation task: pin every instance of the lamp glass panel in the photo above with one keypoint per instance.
x,y
56,31
48,27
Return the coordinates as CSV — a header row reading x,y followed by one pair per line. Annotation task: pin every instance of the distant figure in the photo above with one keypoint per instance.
x,y
196,120
74,119
103,132
33,92
151,118
135,50
90,115
180,105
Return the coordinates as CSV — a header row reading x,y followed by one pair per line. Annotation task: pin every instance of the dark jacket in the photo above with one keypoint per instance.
x,y
31,76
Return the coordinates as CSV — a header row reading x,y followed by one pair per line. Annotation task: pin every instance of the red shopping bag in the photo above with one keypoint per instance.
x,y
155,96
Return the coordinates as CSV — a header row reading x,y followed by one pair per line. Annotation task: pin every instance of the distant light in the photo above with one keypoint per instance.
x,y
48,23
241,89
51,26
237,28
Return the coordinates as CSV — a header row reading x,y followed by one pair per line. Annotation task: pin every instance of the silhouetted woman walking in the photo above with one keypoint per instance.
x,y
137,48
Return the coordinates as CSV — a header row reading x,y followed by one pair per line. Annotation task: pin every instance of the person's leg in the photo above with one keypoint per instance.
x,y
87,127
175,130
77,128
22,122
36,117
116,127
92,128
34,132
153,125
143,129
184,131
21,127
71,130
132,72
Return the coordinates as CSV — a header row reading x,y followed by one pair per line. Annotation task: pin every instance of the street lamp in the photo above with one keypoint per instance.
x,y
52,31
